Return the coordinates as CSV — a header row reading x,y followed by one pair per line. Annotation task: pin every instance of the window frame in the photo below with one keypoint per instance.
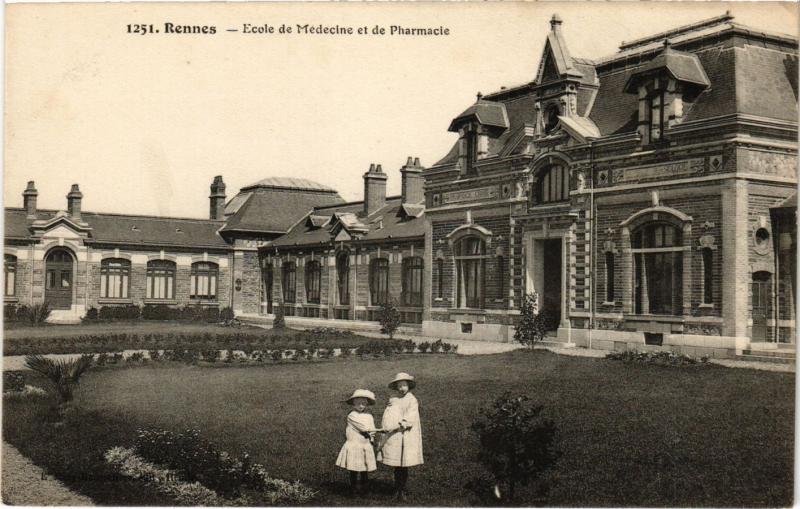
x,y
289,282
413,270
609,265
156,271
553,184
470,293
657,249
343,278
655,100
10,283
313,280
111,269
707,259
211,273
440,278
379,282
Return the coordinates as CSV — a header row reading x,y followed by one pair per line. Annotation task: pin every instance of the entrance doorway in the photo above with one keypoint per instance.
x,y
762,301
550,296
266,289
58,279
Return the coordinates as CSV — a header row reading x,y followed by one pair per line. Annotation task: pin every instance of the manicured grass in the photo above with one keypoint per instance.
x,y
629,434
20,331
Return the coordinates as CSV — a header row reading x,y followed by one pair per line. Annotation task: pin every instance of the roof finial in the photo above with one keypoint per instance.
x,y
555,22
479,95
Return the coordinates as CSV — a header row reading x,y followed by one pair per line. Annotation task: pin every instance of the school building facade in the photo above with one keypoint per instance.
x,y
648,198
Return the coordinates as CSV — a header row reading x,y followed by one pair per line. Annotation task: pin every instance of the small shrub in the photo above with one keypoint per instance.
x,y
135,358
63,375
532,325
102,359
92,314
446,347
516,443
423,347
10,313
229,355
279,323
389,318
13,382
276,355
35,314
211,355
154,355
226,315
436,346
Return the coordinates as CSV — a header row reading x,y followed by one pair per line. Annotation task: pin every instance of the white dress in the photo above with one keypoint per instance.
x,y
402,448
357,454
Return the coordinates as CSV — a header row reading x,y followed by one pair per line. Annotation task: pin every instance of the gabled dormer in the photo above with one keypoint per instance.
x,y
62,225
663,85
346,226
559,81
475,126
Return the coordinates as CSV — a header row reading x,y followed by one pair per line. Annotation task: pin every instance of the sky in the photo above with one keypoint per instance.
x,y
143,123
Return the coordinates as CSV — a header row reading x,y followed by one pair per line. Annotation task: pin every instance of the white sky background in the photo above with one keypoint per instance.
x,y
144,123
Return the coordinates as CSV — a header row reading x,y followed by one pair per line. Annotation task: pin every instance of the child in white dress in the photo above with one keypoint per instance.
x,y
401,446
357,455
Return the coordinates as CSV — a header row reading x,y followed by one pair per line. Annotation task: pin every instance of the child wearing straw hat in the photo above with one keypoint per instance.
x,y
401,446
357,455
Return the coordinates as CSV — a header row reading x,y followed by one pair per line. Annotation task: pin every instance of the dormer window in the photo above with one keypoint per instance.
x,y
551,118
655,116
481,121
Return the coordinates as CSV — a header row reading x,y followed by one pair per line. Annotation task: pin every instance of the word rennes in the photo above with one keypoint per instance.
x,y
319,29
172,28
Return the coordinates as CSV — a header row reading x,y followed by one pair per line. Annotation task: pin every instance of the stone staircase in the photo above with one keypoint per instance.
x,y
781,353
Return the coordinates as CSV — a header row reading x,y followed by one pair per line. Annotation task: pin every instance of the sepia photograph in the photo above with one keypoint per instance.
x,y
400,254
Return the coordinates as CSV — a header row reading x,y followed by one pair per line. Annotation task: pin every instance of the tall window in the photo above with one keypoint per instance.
x,y
551,119
501,277
289,280
343,278
412,281
553,185
609,276
470,256
379,281
439,278
115,276
204,281
472,149
160,279
10,266
313,277
708,276
658,269
655,115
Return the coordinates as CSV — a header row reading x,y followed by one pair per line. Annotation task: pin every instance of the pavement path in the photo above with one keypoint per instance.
x,y
24,484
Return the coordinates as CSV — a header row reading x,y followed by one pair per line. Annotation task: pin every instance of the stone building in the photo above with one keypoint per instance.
x,y
647,197
77,260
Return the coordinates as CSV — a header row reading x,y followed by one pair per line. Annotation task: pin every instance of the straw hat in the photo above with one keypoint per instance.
x,y
362,393
401,377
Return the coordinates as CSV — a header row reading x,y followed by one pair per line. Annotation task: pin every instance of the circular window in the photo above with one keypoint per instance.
x,y
762,238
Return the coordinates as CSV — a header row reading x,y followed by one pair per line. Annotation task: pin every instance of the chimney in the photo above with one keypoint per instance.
x,y
217,198
374,189
413,182
74,202
555,23
29,199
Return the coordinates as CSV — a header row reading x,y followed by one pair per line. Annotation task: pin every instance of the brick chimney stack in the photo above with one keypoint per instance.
x,y
74,202
374,189
217,198
413,183
29,199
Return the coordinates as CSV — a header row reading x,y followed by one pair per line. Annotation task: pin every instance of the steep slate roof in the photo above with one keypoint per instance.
x,y
128,229
389,222
293,183
276,209
487,113
743,78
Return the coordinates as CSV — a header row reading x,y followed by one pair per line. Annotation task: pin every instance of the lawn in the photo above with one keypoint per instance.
x,y
629,434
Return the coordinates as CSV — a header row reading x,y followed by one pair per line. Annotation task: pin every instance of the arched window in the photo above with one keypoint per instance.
x,y
313,278
204,281
10,266
470,257
115,278
553,185
379,281
160,279
708,276
289,280
658,269
551,119
609,276
412,281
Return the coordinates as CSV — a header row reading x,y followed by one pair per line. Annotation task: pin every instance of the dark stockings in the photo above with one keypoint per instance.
x,y
355,486
400,481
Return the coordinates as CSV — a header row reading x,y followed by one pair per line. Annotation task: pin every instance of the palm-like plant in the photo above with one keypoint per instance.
x,y
62,374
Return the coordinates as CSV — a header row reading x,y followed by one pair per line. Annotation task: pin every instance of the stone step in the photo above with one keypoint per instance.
x,y
785,354
765,358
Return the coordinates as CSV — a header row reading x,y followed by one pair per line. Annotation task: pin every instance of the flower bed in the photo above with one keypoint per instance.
x,y
658,358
